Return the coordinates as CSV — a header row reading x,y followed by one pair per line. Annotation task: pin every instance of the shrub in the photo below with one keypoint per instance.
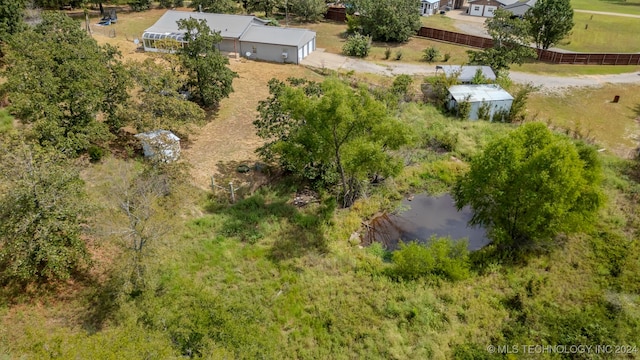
x,y
447,141
430,54
387,53
464,109
357,45
398,54
484,111
447,56
95,153
440,258
518,107
401,84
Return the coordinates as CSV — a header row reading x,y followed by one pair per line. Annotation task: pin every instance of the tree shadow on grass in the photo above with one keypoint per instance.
x,y
295,232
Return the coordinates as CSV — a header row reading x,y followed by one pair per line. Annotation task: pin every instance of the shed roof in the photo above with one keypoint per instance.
x,y
477,93
229,26
466,73
278,35
520,7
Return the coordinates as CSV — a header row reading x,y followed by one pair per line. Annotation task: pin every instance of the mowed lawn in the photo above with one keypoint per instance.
x,y
616,6
603,33
590,111
330,36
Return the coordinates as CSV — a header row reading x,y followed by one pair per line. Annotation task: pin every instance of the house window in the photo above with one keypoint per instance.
x,y
476,8
254,49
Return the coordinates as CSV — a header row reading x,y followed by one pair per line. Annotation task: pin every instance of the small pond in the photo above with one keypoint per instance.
x,y
425,216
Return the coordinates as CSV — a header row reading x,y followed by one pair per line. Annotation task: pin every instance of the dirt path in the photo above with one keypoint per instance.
x,y
607,13
321,59
230,136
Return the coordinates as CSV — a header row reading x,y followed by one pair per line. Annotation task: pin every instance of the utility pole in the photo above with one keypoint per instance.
x,y
286,12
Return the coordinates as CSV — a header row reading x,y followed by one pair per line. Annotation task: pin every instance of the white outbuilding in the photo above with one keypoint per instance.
x,y
492,96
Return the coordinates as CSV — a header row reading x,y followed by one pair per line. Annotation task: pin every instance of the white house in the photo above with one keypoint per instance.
x,y
492,95
429,7
486,8
242,35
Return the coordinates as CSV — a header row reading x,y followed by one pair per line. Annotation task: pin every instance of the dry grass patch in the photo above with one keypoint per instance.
x,y
591,112
230,134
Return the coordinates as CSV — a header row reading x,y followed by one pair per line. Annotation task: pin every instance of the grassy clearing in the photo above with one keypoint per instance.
x,y
590,112
439,22
265,279
604,34
330,36
616,6
6,121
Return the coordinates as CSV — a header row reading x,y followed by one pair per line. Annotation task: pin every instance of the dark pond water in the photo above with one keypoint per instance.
x,y
423,217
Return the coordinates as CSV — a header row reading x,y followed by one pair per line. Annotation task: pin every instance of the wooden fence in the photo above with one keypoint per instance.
x,y
550,56
336,14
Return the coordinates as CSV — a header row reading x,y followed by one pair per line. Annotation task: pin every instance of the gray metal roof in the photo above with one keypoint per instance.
x,y
278,35
477,93
520,7
466,73
229,26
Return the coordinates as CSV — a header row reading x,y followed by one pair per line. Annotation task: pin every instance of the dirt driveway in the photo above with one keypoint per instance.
x,y
321,59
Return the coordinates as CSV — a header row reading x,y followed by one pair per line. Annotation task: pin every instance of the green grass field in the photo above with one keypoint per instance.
x,y
6,121
604,34
591,112
616,6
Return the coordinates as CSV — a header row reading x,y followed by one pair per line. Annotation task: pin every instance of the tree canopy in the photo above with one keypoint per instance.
x,y
531,185
60,80
215,6
388,20
549,22
511,41
330,133
11,14
309,10
209,78
42,209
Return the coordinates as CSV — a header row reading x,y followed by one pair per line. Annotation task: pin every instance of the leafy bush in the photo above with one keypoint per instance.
x,y
357,45
484,111
518,107
95,153
447,56
398,54
464,109
401,84
447,141
440,258
430,54
387,53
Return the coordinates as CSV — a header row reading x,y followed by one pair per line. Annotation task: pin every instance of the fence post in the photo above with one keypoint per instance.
x,y
233,194
213,184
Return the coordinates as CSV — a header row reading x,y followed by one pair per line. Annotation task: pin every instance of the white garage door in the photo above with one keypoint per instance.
x,y
300,57
476,10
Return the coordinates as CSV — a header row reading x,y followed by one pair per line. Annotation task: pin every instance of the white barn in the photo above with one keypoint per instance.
x,y
497,98
241,35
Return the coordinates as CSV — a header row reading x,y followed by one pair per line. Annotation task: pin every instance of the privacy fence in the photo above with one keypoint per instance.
x,y
555,57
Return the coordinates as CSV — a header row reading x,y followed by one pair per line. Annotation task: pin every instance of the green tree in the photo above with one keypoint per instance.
x,y
60,81
549,22
11,14
531,185
511,41
388,20
265,6
210,79
42,210
309,10
357,45
215,6
156,102
329,133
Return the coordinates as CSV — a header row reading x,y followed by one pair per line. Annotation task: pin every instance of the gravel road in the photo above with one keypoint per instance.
x,y
321,59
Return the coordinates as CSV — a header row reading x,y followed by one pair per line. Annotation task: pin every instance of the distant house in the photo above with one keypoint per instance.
x,y
242,35
160,145
429,7
519,8
493,95
466,73
486,8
